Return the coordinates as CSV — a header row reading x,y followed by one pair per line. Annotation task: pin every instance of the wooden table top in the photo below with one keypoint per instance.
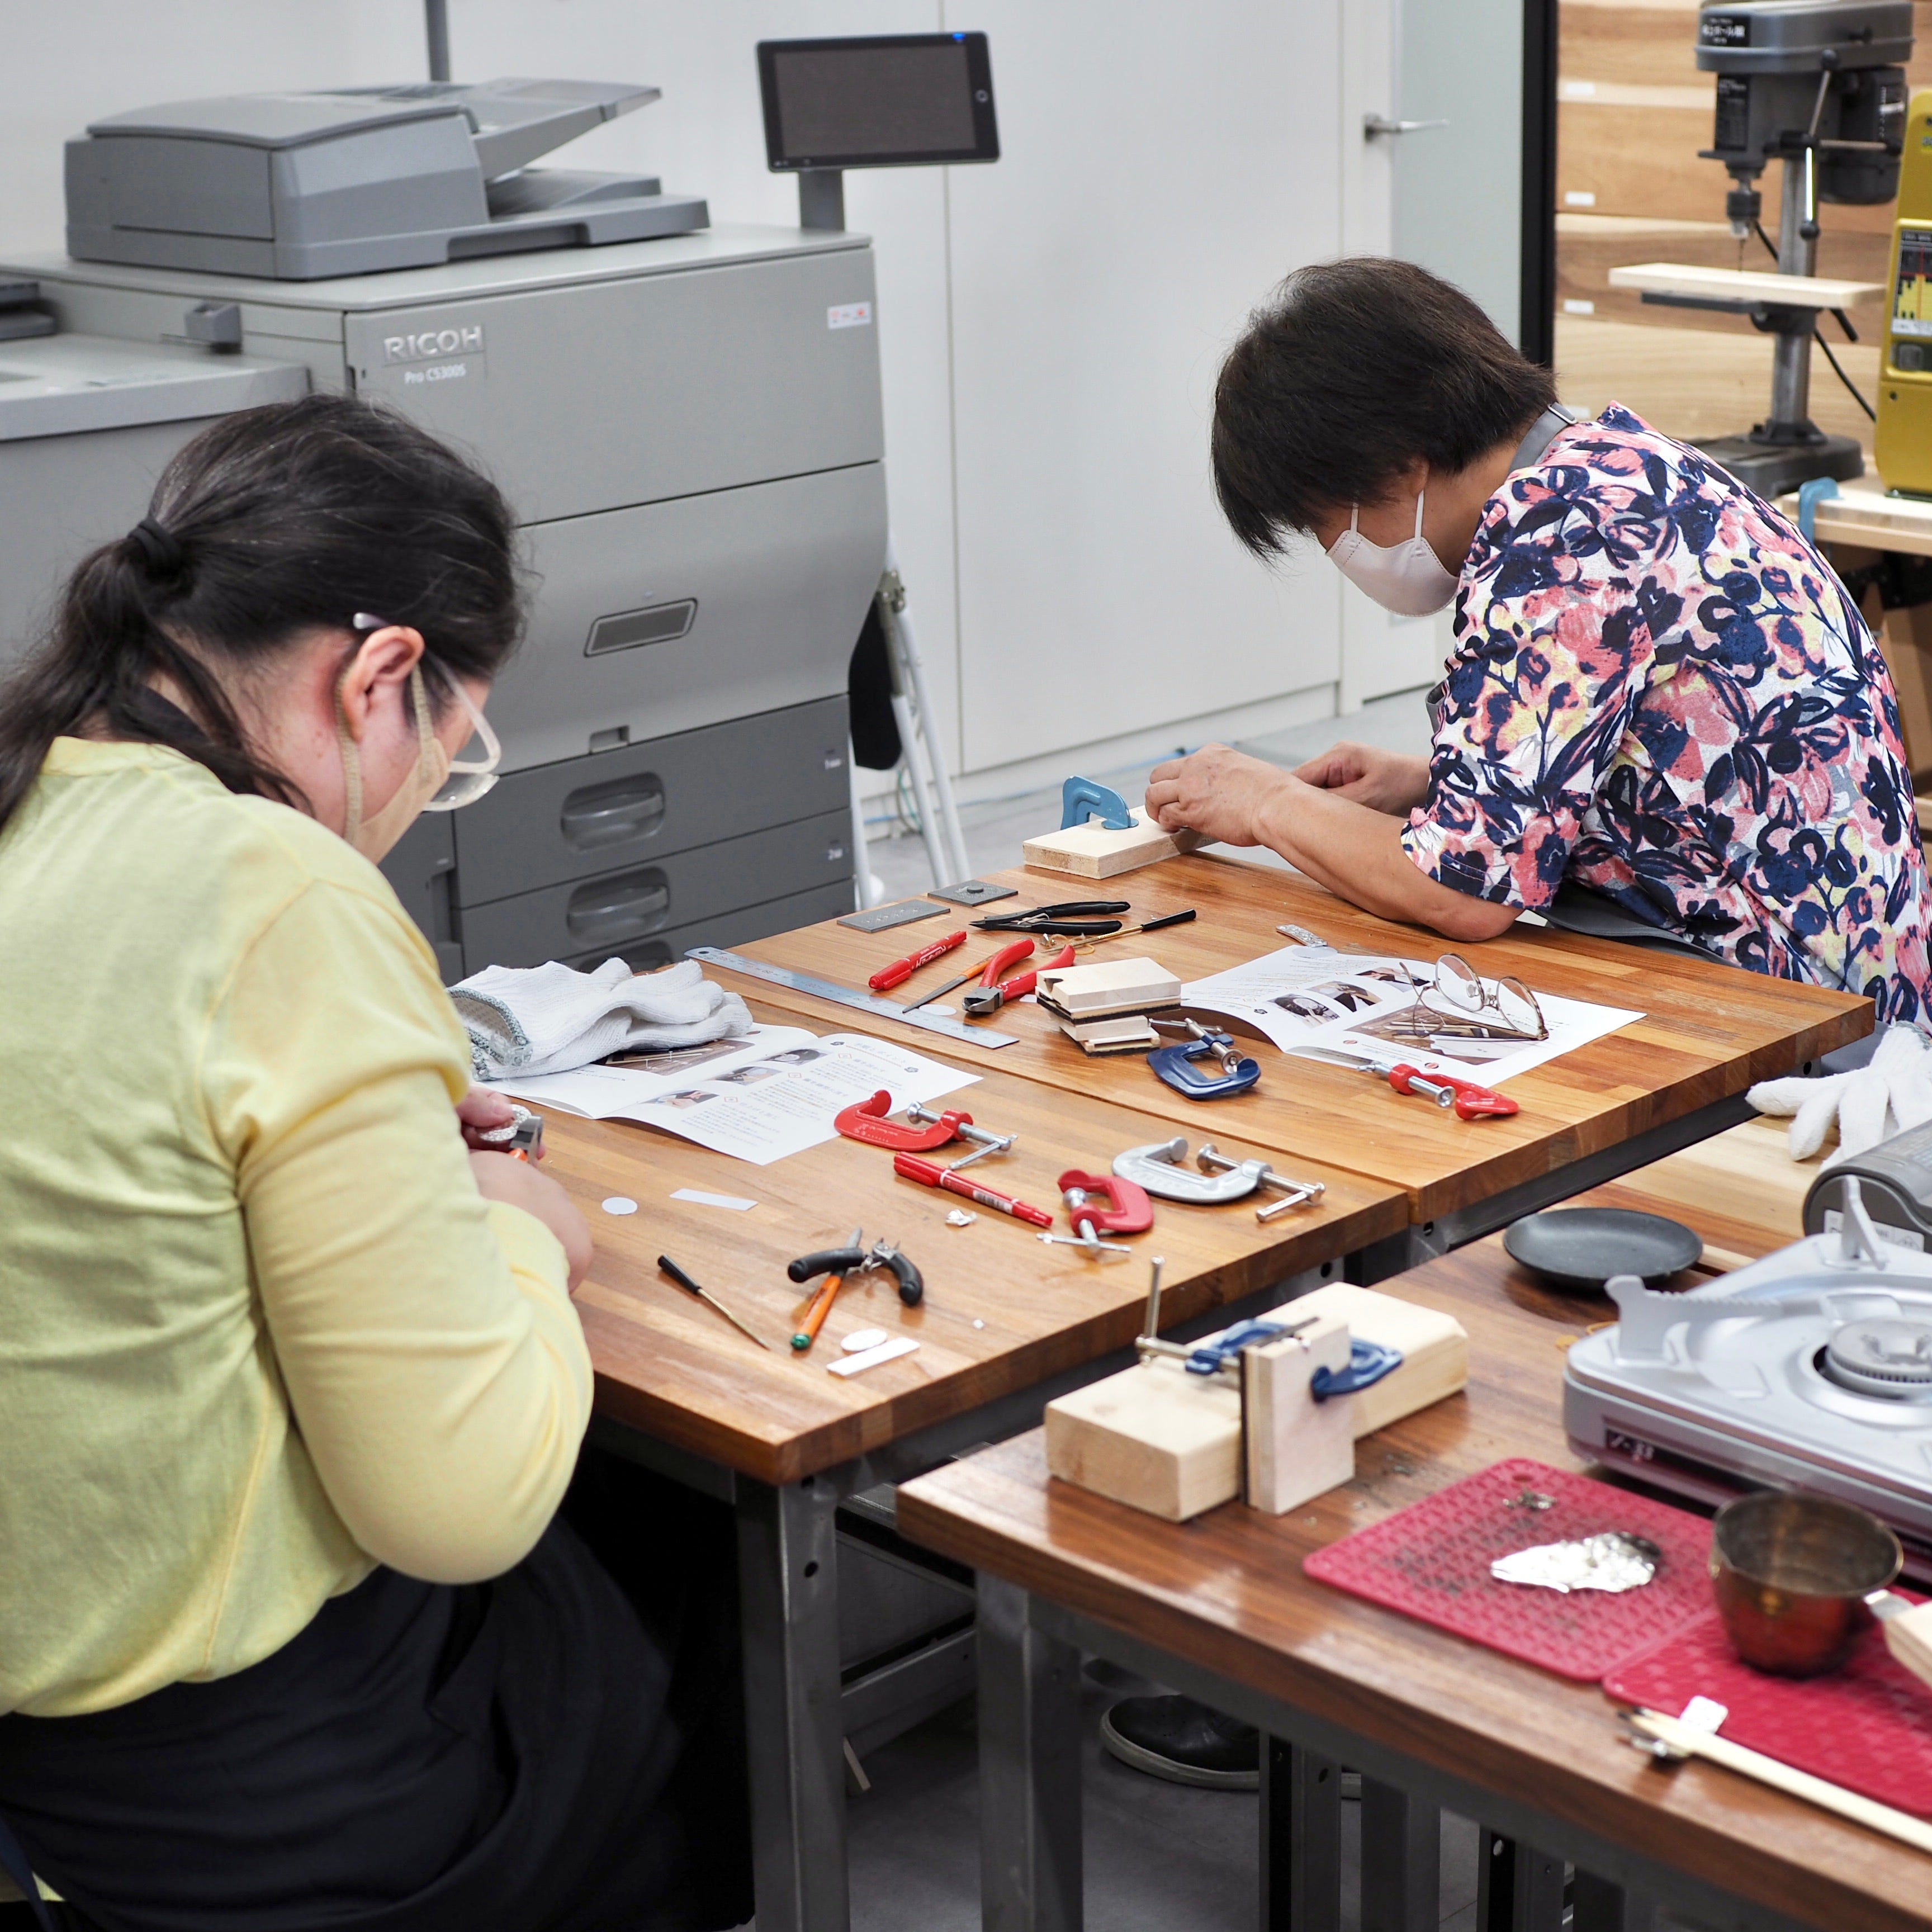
x,y
1862,513
1001,1312
1227,1591
1708,1031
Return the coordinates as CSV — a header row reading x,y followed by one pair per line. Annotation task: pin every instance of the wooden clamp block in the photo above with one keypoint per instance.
x,y
1092,852
1297,1447
1434,1348
1106,987
1153,1436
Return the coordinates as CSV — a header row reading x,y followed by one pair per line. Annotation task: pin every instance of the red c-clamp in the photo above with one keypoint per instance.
x,y
866,1121
1102,1204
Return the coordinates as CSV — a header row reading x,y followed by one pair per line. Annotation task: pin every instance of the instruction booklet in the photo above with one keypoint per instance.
x,y
1315,999
774,1091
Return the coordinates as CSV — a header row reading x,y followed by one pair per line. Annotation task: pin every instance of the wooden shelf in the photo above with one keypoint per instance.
x,y
1744,285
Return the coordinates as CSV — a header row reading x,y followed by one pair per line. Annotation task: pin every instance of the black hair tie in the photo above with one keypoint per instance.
x,y
160,549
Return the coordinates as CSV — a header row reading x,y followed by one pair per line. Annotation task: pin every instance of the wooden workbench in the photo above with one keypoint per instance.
x,y
1707,1033
1220,1607
1002,1312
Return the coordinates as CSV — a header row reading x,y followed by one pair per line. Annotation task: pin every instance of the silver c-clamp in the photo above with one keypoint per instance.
x,y
1158,1167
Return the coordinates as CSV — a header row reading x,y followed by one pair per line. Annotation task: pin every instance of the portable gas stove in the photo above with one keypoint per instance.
x,y
1810,1370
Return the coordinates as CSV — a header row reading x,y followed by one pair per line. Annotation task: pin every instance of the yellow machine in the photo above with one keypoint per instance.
x,y
1903,446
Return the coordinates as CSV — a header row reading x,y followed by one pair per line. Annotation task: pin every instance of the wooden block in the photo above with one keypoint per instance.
x,y
1153,1437
1297,1447
1130,1034
1435,1349
1107,987
1091,852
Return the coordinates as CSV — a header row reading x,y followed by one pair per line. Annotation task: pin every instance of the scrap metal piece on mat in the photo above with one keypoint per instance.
x,y
883,918
1612,1560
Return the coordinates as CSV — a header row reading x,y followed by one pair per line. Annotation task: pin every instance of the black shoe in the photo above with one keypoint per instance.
x,y
1184,1742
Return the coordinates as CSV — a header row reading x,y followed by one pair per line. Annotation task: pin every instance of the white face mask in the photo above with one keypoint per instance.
x,y
1407,578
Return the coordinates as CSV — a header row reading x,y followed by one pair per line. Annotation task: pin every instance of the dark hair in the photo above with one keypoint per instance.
x,y
1352,370
271,523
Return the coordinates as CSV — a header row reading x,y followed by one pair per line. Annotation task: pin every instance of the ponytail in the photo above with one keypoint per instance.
x,y
272,523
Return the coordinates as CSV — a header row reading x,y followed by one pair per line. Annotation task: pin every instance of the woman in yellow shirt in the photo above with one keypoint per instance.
x,y
291,1386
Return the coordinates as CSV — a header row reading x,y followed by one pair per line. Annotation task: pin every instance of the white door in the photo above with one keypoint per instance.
x,y
1445,192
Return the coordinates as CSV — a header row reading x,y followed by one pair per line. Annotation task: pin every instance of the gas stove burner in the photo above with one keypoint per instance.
x,y
1883,1356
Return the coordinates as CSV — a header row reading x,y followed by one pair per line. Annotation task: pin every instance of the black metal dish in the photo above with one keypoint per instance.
x,y
1583,1247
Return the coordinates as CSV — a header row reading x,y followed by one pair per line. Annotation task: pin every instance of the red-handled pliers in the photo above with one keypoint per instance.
x,y
992,993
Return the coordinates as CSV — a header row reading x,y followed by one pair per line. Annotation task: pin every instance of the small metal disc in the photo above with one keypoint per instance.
x,y
860,1339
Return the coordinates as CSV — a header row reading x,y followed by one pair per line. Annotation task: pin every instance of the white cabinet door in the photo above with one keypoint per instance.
x,y
1161,168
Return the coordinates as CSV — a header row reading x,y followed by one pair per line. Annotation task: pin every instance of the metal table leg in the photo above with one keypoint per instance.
x,y
788,1584
1518,1889
1030,1825
1598,1905
1301,1840
1401,1861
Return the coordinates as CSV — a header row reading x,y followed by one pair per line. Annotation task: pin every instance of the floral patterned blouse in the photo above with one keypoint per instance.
x,y
1659,691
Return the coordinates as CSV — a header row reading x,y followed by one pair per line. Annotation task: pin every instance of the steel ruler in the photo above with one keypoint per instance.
x,y
845,996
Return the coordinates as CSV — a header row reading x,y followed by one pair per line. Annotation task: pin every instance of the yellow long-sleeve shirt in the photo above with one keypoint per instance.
x,y
258,1331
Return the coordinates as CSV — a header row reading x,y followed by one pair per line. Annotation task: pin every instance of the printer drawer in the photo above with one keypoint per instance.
x,y
584,816
605,915
729,929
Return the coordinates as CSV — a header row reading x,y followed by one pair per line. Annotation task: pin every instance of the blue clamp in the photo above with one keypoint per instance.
x,y
1183,1068
1809,496
1208,1359
1368,1363
1079,796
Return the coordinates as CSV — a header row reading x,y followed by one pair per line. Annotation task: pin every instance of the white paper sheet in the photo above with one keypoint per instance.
x,y
777,1093
1309,996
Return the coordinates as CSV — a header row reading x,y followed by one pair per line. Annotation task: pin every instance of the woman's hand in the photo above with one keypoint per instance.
x,y
1387,781
480,1110
500,1177
1220,793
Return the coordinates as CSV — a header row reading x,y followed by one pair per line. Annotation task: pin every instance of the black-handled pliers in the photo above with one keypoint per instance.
x,y
1072,918
857,1261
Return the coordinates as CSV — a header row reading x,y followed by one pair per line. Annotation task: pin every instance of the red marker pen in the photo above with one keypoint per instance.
x,y
930,1174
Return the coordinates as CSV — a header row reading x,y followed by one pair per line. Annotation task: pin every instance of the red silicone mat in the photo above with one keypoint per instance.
x,y
1868,1725
1432,1560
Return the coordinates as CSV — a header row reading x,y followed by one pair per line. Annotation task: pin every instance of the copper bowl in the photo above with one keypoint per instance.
x,y
1790,1573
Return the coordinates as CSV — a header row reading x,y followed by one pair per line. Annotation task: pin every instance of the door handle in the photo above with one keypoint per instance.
x,y
624,907
1373,124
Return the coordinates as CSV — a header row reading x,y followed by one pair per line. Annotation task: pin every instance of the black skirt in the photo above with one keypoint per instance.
x,y
549,1749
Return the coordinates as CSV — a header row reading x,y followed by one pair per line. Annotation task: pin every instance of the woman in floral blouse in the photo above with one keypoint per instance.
x,y
1659,692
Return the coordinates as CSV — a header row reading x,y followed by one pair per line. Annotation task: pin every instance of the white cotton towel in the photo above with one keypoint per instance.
x,y
549,1019
1890,1093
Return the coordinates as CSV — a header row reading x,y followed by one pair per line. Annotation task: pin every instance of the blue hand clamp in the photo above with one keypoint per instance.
x,y
1809,496
1079,796
1180,1067
1213,1356
1368,1363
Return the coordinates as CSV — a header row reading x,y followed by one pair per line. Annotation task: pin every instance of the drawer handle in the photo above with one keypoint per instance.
x,y
624,907
608,815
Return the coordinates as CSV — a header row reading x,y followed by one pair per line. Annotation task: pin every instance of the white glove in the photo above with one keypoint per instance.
x,y
549,1019
1891,1092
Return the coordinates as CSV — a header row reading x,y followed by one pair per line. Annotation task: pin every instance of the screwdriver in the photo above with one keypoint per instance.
x,y
704,1294
930,1174
887,977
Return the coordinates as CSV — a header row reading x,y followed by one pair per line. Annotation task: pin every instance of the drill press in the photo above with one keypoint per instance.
x,y
1818,86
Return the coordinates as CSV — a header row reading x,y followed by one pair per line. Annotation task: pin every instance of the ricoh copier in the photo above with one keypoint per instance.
x,y
686,418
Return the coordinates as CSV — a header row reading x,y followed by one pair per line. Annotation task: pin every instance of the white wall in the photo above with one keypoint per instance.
x,y
1050,325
